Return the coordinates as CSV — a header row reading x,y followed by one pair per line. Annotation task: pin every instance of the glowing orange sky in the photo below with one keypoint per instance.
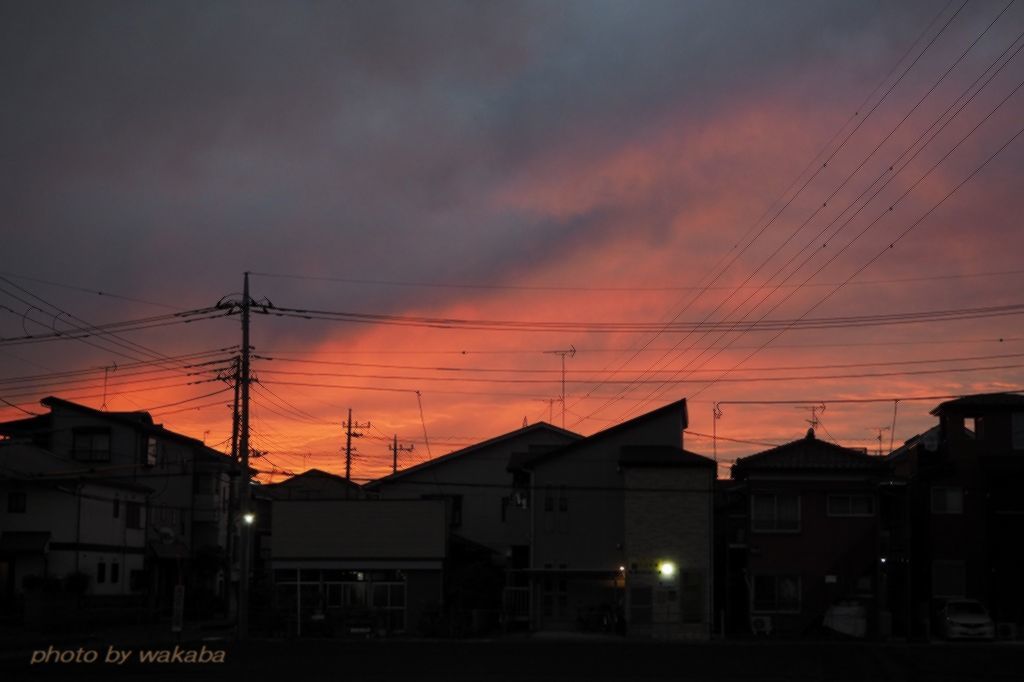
x,y
552,165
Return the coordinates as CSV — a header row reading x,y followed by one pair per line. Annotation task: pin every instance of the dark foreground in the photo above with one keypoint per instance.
x,y
539,659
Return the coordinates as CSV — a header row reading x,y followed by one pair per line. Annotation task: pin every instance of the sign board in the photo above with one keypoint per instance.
x,y
178,614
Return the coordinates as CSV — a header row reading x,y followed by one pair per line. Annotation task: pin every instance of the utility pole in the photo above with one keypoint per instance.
x,y
571,352
244,497
232,490
349,435
716,414
395,449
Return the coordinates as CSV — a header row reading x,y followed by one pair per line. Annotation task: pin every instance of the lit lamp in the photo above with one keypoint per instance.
x,y
667,569
248,518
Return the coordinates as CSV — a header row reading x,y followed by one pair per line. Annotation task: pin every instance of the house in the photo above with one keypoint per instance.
x,y
621,529
313,484
185,513
476,485
351,566
59,524
960,513
488,521
809,542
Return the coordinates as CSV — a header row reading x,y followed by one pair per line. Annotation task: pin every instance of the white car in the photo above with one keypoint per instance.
x,y
966,619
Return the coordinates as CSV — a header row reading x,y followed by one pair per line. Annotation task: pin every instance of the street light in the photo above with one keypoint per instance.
x,y
249,518
667,569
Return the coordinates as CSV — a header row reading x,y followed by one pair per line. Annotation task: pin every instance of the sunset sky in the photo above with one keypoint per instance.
x,y
571,162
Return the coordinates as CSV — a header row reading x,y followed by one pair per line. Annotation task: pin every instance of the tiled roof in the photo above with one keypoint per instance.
x,y
809,453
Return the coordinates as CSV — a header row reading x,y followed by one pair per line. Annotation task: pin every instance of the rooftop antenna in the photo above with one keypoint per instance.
x,y
815,410
880,430
571,352
106,372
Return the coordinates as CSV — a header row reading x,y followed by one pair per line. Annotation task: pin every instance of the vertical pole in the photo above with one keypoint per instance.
x,y
394,455
714,432
233,482
348,447
243,578
563,390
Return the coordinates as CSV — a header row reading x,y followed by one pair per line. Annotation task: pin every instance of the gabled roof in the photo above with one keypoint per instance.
x,y
661,456
981,402
528,460
27,425
142,421
809,454
532,428
282,487
929,437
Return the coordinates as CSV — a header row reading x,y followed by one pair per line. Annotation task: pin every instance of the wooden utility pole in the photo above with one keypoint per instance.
x,y
233,483
244,497
395,449
349,435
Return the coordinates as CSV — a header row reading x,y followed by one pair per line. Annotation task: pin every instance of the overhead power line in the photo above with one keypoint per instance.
x,y
737,326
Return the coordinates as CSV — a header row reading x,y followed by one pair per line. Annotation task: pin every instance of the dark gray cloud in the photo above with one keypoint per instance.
x,y
162,148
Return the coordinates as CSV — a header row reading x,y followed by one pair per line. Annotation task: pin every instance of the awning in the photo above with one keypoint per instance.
x,y
24,541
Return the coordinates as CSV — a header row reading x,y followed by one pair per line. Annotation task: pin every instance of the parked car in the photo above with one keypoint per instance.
x,y
966,619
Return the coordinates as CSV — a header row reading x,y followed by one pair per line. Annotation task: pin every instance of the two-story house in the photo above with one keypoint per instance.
x,y
185,512
962,512
488,519
59,523
621,529
803,541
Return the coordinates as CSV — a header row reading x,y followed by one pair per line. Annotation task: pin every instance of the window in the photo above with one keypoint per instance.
x,y
133,515
776,594
91,444
117,508
947,500
851,505
206,484
693,597
1018,430
389,602
151,452
775,513
949,578
101,572
456,511
979,428
16,500
115,572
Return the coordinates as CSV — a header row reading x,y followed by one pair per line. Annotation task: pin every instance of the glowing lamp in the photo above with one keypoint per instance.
x,y
667,569
249,518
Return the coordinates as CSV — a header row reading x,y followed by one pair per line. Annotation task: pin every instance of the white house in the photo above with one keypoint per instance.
x,y
57,520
